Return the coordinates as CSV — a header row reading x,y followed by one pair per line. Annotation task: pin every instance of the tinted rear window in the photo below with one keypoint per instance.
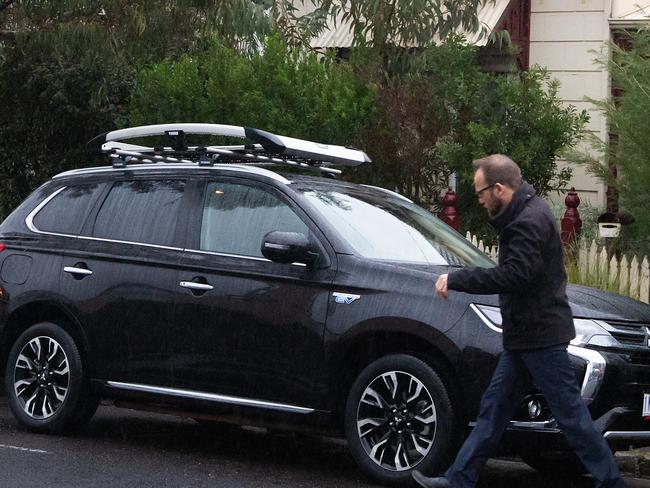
x,y
65,213
143,211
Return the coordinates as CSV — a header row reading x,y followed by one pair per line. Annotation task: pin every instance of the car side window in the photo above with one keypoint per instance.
x,y
143,211
64,214
236,217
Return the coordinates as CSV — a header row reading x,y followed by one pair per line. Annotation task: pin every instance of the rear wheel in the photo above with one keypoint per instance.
x,y
46,388
399,417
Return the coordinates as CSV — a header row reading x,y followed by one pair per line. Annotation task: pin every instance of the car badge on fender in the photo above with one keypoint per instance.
x,y
345,297
647,336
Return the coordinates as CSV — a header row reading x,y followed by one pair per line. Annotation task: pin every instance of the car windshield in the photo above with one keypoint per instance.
x,y
381,226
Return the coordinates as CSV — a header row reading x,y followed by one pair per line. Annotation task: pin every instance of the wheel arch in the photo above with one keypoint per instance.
x,y
32,313
374,340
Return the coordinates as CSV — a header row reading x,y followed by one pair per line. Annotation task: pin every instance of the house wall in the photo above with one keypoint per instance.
x,y
566,36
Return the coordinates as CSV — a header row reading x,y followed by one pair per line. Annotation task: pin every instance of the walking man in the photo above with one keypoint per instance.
x,y
537,327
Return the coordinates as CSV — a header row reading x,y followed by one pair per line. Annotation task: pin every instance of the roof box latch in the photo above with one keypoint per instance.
x,y
177,140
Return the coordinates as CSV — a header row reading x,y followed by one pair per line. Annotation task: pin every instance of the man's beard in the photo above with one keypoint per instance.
x,y
495,210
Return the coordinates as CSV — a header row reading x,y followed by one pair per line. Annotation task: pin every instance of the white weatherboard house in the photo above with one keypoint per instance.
x,y
565,36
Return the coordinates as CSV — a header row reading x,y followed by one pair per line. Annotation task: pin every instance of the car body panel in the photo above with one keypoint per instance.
x,y
258,332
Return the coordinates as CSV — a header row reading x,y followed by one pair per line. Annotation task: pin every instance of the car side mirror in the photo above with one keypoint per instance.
x,y
289,247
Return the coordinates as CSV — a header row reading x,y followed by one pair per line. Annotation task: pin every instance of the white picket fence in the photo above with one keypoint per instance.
x,y
624,275
627,276
491,251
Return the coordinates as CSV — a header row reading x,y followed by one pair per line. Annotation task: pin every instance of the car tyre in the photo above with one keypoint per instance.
x,y
399,417
45,382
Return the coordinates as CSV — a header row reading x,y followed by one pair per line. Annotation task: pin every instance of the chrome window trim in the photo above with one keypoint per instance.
x,y
29,220
227,167
212,397
33,228
484,319
238,256
132,243
594,374
226,255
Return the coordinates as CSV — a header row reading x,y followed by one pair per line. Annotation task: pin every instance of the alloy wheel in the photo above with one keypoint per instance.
x,y
396,420
41,377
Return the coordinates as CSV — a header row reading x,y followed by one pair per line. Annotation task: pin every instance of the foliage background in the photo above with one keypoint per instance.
x,y
70,70
442,111
56,95
67,68
277,89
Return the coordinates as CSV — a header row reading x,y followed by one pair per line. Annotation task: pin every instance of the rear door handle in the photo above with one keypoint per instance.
x,y
73,270
193,285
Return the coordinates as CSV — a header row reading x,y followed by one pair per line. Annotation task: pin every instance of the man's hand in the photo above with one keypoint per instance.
x,y
441,286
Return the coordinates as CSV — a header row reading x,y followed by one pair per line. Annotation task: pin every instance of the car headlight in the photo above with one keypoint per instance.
x,y
491,316
588,332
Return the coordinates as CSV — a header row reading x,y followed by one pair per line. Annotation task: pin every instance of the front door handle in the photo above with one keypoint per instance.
x,y
77,271
193,285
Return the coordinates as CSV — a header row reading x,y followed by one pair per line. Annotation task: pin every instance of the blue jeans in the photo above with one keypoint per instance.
x,y
554,375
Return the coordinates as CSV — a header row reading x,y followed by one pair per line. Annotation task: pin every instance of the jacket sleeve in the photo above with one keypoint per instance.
x,y
518,268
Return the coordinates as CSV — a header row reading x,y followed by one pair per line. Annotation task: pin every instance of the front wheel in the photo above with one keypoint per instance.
x,y
399,417
47,390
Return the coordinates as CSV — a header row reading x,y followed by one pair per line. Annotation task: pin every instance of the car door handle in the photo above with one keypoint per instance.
x,y
193,285
73,270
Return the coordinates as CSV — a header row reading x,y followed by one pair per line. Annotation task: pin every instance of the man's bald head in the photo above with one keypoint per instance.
x,y
498,168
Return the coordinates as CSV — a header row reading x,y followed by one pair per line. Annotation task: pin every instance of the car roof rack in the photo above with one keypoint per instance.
x,y
266,148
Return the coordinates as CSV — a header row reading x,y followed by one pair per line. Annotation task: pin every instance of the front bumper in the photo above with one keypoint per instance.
x,y
613,385
613,436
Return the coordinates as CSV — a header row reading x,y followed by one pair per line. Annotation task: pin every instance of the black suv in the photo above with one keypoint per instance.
x,y
180,278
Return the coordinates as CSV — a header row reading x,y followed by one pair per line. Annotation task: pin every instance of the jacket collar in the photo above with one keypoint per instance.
x,y
519,200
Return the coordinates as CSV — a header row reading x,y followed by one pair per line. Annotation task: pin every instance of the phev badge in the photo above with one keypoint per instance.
x,y
346,298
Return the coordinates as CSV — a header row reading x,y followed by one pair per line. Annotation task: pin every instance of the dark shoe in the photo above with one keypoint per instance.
x,y
430,482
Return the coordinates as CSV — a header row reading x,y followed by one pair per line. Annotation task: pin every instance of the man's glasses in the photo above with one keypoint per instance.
x,y
478,193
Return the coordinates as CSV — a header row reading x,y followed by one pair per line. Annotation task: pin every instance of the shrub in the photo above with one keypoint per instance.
x,y
437,112
524,119
283,91
425,100
57,91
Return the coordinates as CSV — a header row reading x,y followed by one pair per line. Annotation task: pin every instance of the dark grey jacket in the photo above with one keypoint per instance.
x,y
530,277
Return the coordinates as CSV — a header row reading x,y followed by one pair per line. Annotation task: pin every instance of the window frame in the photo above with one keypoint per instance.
x,y
178,233
195,220
97,196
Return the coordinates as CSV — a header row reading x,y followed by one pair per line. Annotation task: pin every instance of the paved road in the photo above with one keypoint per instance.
x,y
123,448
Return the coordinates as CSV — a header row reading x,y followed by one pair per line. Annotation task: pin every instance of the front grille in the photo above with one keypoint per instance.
x,y
629,333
